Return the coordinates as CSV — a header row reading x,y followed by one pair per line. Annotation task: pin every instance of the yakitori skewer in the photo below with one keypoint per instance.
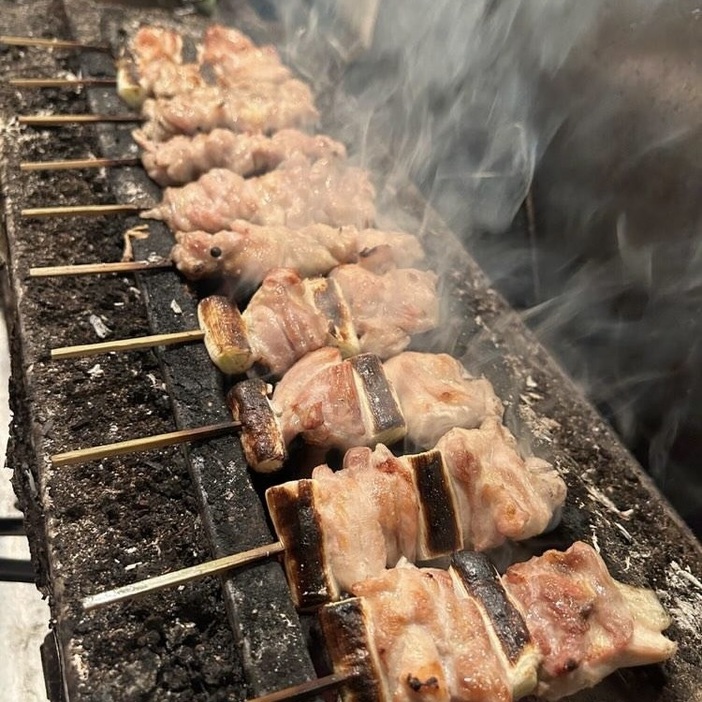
x,y
98,268
180,577
52,43
88,82
78,163
142,342
145,443
416,507
81,210
60,120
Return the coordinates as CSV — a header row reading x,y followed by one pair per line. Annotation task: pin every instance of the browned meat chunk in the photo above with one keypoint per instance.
x,y
585,622
501,495
289,317
250,107
431,642
388,309
437,394
183,159
247,252
296,194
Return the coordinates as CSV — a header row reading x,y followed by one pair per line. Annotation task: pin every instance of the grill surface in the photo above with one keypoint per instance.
x,y
105,524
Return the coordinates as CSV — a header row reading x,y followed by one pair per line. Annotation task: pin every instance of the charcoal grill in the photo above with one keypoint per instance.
x,y
100,525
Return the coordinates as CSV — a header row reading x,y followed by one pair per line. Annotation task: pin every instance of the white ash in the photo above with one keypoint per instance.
x,y
101,329
176,307
96,371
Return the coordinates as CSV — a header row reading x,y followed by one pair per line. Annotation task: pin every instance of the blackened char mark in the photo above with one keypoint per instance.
x,y
352,650
260,435
387,414
437,504
298,527
482,582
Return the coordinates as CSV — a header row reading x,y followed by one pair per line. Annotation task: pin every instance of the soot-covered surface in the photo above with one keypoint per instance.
x,y
107,523
100,525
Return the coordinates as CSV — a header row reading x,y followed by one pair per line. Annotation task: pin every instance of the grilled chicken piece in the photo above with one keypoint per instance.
x,y
548,627
437,394
248,252
335,403
153,65
585,623
328,402
429,639
296,194
235,59
367,515
183,159
247,107
289,317
388,309
345,526
501,495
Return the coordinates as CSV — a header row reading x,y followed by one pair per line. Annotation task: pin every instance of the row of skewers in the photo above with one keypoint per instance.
x,y
255,200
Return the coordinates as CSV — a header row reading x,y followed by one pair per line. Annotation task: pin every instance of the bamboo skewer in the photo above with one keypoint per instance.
x,y
79,163
61,82
98,268
178,577
143,342
145,443
52,43
306,689
60,120
84,210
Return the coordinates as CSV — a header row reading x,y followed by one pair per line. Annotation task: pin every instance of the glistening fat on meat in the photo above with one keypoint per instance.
x,y
324,399
380,508
183,159
246,252
298,193
550,627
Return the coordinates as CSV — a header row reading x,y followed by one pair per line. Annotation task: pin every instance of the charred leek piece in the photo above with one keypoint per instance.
x,y
298,525
348,634
473,572
260,436
383,417
439,527
326,296
225,334
129,87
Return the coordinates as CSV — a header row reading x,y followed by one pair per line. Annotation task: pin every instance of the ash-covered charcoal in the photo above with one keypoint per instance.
x,y
117,521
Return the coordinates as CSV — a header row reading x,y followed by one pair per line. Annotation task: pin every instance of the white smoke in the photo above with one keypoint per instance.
x,y
595,105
